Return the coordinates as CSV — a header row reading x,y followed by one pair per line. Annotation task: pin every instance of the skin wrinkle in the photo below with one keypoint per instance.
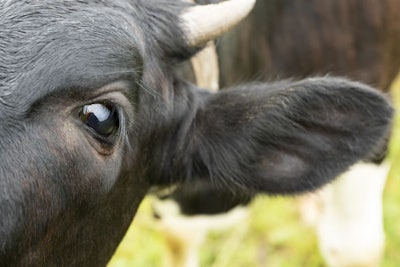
x,y
74,31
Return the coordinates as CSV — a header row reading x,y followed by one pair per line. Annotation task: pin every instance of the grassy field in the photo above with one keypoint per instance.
x,y
273,236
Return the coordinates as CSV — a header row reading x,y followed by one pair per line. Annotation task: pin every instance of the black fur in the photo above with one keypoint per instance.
x,y
67,195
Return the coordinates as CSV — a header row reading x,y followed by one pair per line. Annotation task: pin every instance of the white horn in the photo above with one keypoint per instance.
x,y
207,22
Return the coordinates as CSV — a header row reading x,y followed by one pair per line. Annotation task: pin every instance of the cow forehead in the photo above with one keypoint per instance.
x,y
55,45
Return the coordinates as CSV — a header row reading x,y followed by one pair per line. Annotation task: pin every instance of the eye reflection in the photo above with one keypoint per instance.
x,y
103,119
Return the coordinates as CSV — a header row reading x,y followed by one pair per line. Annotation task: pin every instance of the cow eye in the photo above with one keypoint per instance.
x,y
102,118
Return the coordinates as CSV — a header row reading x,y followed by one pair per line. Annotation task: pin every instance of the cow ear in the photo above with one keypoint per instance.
x,y
287,137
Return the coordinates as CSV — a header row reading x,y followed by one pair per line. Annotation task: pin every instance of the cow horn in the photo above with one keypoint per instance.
x,y
203,23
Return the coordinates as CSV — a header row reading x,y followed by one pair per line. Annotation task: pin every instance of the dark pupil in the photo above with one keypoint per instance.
x,y
102,119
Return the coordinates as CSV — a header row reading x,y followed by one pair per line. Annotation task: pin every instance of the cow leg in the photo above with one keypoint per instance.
x,y
350,229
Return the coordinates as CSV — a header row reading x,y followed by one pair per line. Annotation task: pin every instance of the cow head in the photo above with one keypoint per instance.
x,y
92,115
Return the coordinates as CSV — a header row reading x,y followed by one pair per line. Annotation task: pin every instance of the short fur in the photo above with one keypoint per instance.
x,y
68,195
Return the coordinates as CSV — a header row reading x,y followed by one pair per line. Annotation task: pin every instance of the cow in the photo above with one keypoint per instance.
x,y
357,39
93,115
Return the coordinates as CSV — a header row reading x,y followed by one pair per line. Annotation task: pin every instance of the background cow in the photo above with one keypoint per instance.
x,y
301,38
93,116
358,39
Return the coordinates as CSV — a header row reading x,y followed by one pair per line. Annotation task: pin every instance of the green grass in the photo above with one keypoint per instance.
x,y
391,197
273,235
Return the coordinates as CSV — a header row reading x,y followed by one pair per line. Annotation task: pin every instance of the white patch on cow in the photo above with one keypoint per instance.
x,y
350,228
186,234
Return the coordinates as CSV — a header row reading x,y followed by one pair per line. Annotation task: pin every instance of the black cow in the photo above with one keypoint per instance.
x,y
93,115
